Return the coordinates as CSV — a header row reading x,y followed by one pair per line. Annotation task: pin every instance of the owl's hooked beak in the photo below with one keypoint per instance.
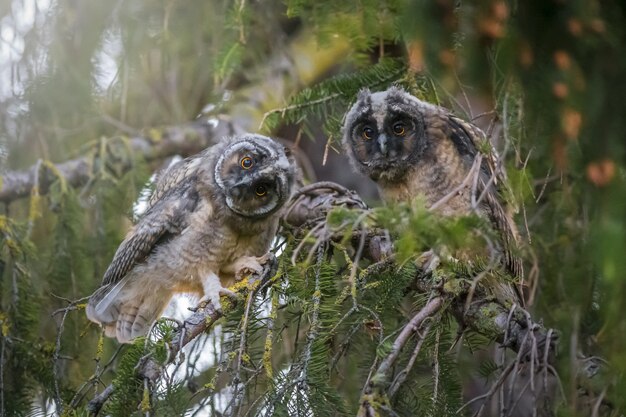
x,y
382,144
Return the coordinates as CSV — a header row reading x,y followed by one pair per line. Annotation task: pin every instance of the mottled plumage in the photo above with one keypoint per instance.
x,y
410,147
211,217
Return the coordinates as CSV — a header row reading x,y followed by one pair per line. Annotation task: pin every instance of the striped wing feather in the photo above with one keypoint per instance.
x,y
465,137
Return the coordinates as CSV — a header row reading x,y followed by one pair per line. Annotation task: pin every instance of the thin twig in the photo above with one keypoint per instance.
x,y
96,404
412,326
2,347
94,380
402,375
489,393
374,386
436,369
596,407
57,351
55,368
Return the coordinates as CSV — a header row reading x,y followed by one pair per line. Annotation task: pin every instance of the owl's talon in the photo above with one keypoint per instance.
x,y
201,305
244,272
247,266
230,294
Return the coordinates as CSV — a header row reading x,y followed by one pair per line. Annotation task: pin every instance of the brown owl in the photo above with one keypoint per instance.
x,y
410,147
211,217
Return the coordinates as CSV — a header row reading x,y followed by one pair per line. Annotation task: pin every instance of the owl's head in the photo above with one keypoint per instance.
x,y
384,133
255,174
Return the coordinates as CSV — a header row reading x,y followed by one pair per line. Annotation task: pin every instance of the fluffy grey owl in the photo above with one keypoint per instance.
x,y
211,217
410,147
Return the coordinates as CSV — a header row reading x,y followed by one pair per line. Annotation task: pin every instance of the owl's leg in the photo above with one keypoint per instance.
x,y
212,288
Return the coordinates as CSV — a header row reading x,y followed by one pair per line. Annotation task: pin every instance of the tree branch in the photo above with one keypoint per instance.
x,y
201,321
185,140
374,398
486,316
245,111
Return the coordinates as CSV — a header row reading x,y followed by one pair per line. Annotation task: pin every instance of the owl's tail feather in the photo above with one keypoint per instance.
x,y
104,304
137,315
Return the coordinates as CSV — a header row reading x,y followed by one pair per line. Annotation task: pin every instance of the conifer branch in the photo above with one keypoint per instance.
x,y
513,328
154,145
201,321
484,315
374,397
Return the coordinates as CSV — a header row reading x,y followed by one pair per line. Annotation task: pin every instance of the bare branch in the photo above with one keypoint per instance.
x,y
374,396
96,404
157,144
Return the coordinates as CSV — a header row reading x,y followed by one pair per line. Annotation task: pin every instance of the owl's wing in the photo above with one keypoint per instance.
x,y
164,219
174,175
469,140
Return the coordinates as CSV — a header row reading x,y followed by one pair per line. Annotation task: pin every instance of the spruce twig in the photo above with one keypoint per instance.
x,y
401,377
374,396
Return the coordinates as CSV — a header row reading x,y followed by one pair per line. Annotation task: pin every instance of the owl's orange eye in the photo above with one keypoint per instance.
x,y
398,129
260,190
246,162
368,132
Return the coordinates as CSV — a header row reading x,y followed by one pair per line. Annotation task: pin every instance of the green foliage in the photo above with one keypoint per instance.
x,y
128,387
366,24
417,230
81,72
329,99
19,314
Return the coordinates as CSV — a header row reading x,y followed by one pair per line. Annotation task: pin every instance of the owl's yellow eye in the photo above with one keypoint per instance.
x,y
368,132
246,162
398,129
260,190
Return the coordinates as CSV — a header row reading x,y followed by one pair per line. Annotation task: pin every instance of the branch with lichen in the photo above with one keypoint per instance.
x,y
309,215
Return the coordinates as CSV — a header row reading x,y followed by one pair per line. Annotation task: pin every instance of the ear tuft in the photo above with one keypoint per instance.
x,y
364,95
396,90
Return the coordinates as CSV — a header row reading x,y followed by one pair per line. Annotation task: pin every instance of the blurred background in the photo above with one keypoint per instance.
x,y
96,96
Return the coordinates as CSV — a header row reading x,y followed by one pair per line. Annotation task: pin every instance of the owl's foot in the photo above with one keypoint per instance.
x,y
214,299
230,294
246,266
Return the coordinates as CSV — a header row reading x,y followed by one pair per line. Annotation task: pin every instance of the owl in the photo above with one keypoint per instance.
x,y
210,220
411,147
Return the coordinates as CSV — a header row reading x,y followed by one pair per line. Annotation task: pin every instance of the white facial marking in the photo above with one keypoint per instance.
x,y
252,142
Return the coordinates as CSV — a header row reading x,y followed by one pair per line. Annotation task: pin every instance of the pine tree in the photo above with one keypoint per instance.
x,y
96,97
